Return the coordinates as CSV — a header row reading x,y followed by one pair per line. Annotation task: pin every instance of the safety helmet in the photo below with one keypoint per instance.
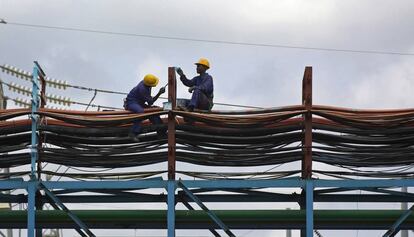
x,y
151,80
203,61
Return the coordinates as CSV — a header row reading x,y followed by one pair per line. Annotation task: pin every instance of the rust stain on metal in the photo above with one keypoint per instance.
x,y
307,128
172,96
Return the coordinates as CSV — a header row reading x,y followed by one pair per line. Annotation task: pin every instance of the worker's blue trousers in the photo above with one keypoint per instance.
x,y
136,108
199,100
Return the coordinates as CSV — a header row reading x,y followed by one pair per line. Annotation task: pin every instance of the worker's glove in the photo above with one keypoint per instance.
x,y
161,91
180,72
191,89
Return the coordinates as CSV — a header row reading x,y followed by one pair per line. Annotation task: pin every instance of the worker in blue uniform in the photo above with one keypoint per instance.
x,y
201,86
138,99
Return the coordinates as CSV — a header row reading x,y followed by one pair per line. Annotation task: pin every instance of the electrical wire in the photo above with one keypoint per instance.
x,y
94,95
17,72
212,41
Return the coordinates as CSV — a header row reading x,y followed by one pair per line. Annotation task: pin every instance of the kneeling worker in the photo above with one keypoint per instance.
x,y
139,98
201,86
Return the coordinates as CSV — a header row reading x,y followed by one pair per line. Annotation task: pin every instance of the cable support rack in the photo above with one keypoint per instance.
x,y
237,156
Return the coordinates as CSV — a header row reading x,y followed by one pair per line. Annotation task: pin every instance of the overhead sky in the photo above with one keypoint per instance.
x,y
243,74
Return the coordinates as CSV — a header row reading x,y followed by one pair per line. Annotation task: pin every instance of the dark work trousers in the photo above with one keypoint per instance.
x,y
136,108
199,100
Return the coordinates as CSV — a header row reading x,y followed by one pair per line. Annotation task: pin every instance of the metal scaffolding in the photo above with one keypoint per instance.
x,y
373,139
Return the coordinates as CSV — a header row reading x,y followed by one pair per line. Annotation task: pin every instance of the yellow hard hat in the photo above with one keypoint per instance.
x,y
203,61
151,80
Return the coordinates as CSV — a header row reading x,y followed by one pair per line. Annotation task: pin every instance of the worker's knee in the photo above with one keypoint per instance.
x,y
136,108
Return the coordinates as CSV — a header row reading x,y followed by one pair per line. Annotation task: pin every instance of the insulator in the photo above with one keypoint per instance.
x,y
54,83
21,102
65,85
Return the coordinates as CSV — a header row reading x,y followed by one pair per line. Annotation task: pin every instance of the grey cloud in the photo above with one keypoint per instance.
x,y
242,74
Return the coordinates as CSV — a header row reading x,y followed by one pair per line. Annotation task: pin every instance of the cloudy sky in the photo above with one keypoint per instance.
x,y
247,75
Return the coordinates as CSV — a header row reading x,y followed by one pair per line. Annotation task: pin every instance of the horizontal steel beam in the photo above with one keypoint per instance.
x,y
213,184
13,184
225,198
369,183
235,219
91,185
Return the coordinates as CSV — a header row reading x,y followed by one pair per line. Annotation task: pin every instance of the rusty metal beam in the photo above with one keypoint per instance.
x,y
307,120
172,96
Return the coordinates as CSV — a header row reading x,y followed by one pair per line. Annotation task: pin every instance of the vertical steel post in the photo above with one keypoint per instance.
x,y
34,155
3,105
404,206
31,212
3,99
307,118
309,208
42,76
35,118
172,97
307,133
288,231
171,208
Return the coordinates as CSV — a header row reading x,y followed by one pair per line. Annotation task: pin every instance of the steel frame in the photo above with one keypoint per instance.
x,y
305,182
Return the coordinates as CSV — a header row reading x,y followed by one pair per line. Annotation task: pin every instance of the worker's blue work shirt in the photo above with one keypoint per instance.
x,y
140,94
204,82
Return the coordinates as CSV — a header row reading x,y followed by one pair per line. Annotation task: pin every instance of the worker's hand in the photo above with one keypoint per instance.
x,y
180,71
161,91
191,89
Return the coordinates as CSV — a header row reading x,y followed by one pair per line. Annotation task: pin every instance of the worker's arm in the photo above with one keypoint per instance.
x,y
146,95
187,82
160,92
184,79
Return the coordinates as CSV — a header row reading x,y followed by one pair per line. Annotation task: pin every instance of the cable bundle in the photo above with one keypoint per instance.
x,y
369,143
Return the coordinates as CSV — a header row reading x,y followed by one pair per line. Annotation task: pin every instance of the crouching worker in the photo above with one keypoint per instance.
x,y
201,86
138,99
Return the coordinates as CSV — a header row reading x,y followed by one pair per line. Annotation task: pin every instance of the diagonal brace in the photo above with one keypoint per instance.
x,y
84,231
391,192
213,216
56,207
189,207
395,228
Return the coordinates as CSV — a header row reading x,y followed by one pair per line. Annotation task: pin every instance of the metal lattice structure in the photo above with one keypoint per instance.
x,y
375,145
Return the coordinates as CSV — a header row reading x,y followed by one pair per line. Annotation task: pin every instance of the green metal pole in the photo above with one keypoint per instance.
x,y
375,219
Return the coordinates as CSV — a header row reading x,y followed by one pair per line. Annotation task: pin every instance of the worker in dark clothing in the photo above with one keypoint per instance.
x,y
201,86
139,98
